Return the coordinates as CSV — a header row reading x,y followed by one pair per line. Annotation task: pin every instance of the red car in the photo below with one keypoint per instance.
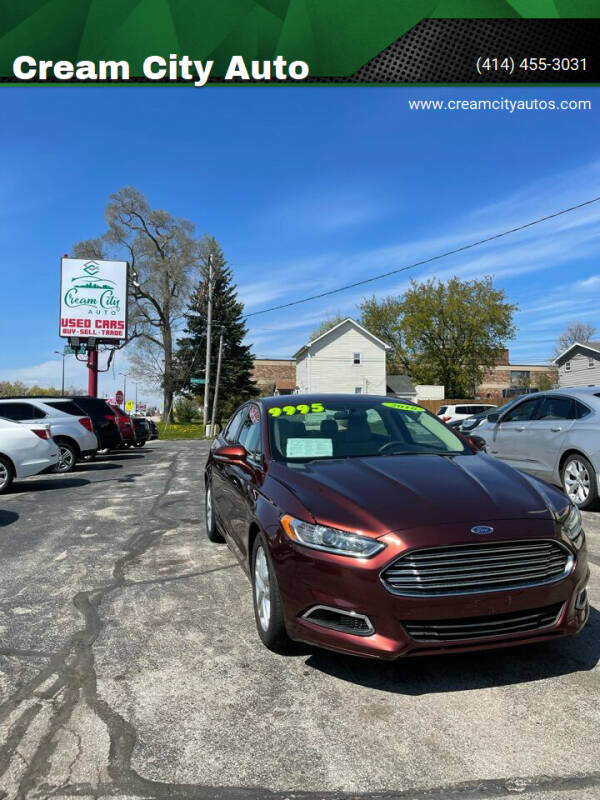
x,y
126,427
369,527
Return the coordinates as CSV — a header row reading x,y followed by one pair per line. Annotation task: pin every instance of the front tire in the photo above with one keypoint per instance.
x,y
140,444
268,612
580,482
67,458
6,474
212,531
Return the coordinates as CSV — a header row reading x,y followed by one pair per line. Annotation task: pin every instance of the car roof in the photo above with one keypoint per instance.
x,y
584,392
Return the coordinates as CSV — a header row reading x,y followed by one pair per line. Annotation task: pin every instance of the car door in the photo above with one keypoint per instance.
x,y
244,480
509,440
220,474
546,433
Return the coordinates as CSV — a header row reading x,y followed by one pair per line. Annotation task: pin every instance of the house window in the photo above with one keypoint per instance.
x,y
358,390
567,366
356,358
591,363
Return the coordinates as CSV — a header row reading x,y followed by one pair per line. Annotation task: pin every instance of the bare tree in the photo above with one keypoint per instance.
x,y
575,332
163,253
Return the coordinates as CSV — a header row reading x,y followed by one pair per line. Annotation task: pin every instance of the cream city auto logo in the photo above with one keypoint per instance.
x,y
92,291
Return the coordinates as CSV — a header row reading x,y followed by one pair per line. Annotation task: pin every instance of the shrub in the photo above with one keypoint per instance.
x,y
186,410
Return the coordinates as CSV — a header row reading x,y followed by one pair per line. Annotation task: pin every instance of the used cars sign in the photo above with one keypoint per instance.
x,y
93,299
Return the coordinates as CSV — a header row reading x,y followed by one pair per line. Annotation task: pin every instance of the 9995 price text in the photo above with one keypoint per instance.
x,y
509,65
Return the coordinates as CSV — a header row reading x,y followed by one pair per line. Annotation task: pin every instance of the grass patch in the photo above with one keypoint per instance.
x,y
183,430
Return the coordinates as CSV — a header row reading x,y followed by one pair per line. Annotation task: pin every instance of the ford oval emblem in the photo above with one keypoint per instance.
x,y
482,530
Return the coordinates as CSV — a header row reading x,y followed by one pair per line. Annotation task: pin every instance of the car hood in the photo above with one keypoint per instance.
x,y
390,493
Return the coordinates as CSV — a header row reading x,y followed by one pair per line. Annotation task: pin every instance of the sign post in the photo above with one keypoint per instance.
x,y
93,307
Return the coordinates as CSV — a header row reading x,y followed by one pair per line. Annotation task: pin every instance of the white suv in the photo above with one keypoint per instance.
x,y
454,413
73,435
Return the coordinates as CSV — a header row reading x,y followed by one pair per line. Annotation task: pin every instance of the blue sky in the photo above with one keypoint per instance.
x,y
306,189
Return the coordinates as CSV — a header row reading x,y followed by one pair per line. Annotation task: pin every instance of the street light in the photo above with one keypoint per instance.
x,y
124,374
62,386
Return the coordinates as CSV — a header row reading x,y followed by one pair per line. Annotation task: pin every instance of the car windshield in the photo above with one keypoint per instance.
x,y
306,431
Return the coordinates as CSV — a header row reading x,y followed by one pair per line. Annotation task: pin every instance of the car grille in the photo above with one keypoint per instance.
x,y
470,569
450,630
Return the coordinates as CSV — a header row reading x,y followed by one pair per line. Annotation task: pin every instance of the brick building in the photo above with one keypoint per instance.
x,y
274,375
505,379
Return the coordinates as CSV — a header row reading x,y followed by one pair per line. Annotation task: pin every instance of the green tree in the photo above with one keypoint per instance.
x,y
454,331
328,323
163,254
186,410
236,384
383,319
544,382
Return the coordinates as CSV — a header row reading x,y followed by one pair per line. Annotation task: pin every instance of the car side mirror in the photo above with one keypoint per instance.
x,y
477,443
231,454
493,417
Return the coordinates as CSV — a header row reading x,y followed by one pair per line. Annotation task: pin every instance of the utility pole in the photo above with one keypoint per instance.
x,y
124,374
208,335
217,379
62,383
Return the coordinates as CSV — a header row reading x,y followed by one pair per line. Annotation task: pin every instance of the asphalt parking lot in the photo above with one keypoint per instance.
x,y
130,667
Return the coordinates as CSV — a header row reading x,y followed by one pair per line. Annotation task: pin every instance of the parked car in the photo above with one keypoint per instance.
x,y
126,427
367,526
553,435
74,435
459,412
469,424
24,451
153,428
142,430
103,417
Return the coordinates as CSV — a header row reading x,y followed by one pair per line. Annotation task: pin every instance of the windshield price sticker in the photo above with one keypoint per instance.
x,y
309,448
302,408
404,407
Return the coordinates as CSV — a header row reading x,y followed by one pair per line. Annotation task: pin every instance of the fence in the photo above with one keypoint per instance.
x,y
434,405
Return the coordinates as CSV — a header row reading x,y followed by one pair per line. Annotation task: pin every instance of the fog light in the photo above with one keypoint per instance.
x,y
582,599
339,620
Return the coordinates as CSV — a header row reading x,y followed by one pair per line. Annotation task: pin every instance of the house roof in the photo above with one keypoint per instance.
x,y
400,384
593,346
335,327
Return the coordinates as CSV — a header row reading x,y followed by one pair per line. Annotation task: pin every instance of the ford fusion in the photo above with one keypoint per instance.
x,y
369,527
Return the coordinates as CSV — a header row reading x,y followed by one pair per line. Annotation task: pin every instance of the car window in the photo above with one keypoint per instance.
x,y
232,430
580,410
463,409
556,408
68,406
249,435
522,412
21,411
442,409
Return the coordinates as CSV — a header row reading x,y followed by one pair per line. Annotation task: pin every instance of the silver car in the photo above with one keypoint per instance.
x,y
554,435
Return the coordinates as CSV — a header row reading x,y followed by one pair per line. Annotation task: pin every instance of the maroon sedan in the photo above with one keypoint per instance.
x,y
367,526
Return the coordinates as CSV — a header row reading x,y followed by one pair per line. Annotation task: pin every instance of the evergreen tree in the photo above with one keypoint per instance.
x,y
236,384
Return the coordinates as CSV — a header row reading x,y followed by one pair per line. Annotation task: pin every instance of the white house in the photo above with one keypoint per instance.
x,y
579,365
346,359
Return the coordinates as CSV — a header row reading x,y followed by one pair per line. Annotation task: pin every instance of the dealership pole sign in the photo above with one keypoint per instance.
x,y
93,299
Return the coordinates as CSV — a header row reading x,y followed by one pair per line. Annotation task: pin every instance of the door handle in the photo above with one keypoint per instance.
x,y
520,428
556,429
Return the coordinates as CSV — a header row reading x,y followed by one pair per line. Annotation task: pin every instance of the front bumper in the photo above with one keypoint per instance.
x,y
309,578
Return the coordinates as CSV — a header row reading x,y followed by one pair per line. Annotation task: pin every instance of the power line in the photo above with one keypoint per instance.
x,y
426,260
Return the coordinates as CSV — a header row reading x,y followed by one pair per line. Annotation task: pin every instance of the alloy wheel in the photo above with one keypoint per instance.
x,y
262,589
577,481
4,475
66,459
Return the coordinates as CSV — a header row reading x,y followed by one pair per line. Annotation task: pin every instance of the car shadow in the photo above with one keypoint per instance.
x,y
122,456
85,466
7,518
33,485
463,671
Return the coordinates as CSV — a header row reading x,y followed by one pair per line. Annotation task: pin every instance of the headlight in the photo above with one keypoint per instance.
x,y
331,540
572,526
